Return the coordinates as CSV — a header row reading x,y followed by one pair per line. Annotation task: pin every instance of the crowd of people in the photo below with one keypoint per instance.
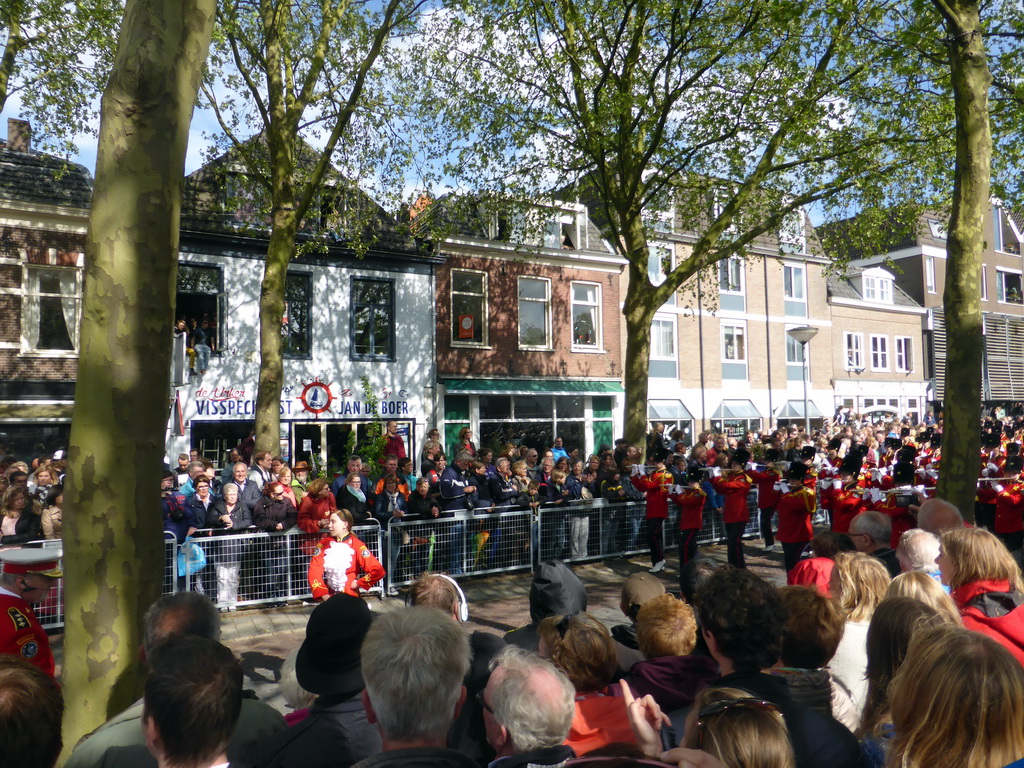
x,y
857,670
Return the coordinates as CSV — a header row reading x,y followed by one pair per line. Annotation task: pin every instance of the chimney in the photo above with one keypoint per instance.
x,y
421,204
19,135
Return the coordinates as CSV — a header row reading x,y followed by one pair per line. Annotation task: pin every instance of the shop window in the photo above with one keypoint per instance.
x,y
586,316
469,307
295,325
373,319
51,308
534,313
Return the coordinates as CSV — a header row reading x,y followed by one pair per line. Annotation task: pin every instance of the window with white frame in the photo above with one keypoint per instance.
x,y
51,308
793,282
734,343
794,351
792,234
469,307
730,275
659,264
563,230
663,349
904,354
879,353
929,273
854,345
586,315
984,282
1008,287
877,288
535,312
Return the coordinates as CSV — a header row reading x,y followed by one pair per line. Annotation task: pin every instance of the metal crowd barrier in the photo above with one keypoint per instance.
x,y
258,568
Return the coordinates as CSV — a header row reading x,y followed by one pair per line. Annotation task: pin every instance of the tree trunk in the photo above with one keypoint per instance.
x,y
114,558
638,309
964,247
268,397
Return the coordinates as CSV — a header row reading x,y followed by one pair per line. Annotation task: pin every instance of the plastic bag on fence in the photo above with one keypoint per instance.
x,y
430,551
481,555
586,494
191,557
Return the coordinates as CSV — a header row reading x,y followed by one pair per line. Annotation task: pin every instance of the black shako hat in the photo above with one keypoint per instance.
x,y
797,471
328,659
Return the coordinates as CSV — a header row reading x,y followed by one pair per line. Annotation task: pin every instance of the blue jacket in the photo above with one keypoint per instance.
x,y
453,489
380,507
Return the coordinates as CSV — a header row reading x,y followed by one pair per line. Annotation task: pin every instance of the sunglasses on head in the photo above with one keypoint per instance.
x,y
718,707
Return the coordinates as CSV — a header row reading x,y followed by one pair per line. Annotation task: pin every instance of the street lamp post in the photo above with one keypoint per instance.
x,y
802,336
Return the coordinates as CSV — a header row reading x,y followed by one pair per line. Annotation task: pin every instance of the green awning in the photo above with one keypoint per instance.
x,y
736,409
669,410
532,386
794,409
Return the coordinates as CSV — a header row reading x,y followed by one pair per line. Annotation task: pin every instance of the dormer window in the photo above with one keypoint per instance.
x,y
876,285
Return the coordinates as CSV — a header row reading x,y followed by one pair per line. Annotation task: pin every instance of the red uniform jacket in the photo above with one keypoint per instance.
x,y
336,564
691,505
735,489
795,509
1010,509
22,635
901,518
846,505
767,495
656,486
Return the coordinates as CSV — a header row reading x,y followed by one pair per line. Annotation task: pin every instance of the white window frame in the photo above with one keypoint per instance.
x,y
485,318
879,352
742,328
1001,285
30,307
929,274
729,264
598,324
793,344
793,233
877,289
984,282
657,354
547,312
802,269
903,347
854,352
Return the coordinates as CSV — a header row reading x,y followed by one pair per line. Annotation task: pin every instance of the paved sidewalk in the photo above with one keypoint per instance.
x,y
263,638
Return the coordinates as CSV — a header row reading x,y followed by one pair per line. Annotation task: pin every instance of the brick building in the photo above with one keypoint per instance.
x,y
44,210
878,351
918,256
721,355
527,333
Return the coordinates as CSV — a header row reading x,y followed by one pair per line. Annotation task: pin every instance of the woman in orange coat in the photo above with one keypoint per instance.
x,y
342,563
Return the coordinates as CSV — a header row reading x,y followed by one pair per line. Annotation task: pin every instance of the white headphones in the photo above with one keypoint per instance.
x,y
463,604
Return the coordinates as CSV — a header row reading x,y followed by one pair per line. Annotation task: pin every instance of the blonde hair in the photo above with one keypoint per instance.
x,y
863,581
981,726
919,586
665,626
7,499
977,555
582,647
739,735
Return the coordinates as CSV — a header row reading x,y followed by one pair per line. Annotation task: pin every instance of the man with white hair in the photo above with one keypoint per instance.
x,y
414,661
528,709
938,516
917,551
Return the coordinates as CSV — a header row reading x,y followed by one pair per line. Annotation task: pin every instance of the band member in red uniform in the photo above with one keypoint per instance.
x,y
656,486
796,508
767,495
691,504
847,501
734,486
1009,523
892,504
342,563
27,577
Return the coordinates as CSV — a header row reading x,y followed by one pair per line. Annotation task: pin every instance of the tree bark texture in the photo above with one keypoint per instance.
x,y
964,247
114,556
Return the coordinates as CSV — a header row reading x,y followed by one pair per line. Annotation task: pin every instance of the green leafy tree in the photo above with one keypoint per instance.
x,y
736,115
113,540
56,56
309,80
